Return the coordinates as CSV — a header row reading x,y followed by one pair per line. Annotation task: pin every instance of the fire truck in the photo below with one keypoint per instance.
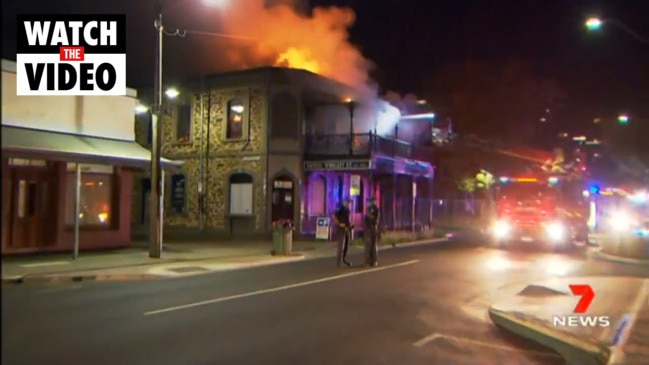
x,y
538,209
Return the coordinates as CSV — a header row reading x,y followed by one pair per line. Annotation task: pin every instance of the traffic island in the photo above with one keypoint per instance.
x,y
626,246
544,312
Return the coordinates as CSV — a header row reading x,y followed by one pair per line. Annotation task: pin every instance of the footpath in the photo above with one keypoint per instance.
x,y
539,310
177,259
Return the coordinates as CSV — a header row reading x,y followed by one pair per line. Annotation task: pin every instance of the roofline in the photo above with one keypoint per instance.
x,y
10,66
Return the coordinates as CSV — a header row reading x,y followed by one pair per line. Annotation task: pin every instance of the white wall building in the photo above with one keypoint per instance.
x,y
43,140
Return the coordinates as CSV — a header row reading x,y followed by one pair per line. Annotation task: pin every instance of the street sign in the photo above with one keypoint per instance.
x,y
355,185
323,228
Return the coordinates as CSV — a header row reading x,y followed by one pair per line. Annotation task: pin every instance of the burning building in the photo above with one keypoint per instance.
x,y
269,144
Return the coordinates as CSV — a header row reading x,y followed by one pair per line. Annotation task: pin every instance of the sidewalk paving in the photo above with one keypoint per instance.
x,y
177,259
624,300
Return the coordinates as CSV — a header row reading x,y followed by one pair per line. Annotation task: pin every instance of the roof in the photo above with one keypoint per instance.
x,y
23,142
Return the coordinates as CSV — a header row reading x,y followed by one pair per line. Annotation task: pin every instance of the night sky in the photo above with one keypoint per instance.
x,y
602,73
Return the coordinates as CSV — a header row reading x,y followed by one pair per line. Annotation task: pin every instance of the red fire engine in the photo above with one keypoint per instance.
x,y
533,210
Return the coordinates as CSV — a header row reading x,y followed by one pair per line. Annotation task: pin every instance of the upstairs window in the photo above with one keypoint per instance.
x,y
235,122
184,124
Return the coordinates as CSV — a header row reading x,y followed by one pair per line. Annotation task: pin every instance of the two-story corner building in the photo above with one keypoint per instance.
x,y
50,146
269,144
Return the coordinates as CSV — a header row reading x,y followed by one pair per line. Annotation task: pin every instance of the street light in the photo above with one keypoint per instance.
x,y
595,23
155,234
172,93
623,119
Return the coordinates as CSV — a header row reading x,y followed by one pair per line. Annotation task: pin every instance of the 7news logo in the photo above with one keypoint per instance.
x,y
579,317
71,54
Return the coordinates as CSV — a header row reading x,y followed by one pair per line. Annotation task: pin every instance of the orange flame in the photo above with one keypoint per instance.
x,y
299,58
317,42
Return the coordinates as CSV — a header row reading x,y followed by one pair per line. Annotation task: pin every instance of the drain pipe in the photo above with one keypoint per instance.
x,y
206,154
201,182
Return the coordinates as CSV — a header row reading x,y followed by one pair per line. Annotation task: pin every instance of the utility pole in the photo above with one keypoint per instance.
x,y
155,237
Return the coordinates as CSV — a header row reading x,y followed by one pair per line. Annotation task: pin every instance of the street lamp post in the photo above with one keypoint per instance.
x,y
155,237
597,23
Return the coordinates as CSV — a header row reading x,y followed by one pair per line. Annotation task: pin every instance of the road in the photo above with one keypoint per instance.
x,y
424,305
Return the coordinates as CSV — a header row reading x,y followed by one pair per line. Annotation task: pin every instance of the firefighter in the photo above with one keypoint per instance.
x,y
371,232
342,218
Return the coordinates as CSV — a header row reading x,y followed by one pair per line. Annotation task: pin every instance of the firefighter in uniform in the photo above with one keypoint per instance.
x,y
371,233
342,218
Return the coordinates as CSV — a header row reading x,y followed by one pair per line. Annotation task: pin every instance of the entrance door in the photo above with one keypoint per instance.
x,y
283,194
29,201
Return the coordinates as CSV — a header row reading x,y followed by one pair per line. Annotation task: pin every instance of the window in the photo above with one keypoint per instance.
x,y
234,128
184,124
241,194
318,197
284,118
341,188
96,195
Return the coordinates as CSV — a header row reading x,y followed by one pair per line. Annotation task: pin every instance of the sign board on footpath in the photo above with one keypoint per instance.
x,y
71,54
323,229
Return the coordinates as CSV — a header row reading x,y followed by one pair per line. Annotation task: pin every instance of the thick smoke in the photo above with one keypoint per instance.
x,y
285,33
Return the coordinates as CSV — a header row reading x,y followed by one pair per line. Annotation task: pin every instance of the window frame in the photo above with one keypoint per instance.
x,y
114,202
244,123
177,110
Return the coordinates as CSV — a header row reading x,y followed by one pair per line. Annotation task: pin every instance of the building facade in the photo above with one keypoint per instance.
x,y
248,142
54,146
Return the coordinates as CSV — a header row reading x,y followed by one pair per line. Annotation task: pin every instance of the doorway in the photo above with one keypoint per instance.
x,y
31,205
283,199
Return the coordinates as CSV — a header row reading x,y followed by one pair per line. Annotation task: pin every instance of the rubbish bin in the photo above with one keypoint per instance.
x,y
282,238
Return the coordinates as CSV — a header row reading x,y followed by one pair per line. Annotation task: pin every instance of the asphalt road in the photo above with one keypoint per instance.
x,y
423,305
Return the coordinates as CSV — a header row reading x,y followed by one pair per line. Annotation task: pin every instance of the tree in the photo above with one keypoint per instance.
x,y
491,100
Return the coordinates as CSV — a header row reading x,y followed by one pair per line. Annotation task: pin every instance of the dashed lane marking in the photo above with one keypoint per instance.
x,y
277,289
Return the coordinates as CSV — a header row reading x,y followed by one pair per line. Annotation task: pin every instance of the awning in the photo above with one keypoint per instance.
x,y
55,146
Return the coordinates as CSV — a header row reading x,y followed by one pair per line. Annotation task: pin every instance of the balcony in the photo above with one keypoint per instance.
x,y
361,145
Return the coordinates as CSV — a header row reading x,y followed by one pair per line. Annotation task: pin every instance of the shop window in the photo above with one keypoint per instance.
x,y
96,199
241,194
318,197
184,124
235,122
27,162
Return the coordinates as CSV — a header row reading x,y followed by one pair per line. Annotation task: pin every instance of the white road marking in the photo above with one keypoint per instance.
x,y
277,289
41,264
430,338
424,341
58,290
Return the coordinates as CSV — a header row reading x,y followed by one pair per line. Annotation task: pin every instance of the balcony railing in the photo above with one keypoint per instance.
x,y
361,145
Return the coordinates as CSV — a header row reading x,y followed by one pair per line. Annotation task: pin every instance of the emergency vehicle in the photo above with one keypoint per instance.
x,y
616,211
535,209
